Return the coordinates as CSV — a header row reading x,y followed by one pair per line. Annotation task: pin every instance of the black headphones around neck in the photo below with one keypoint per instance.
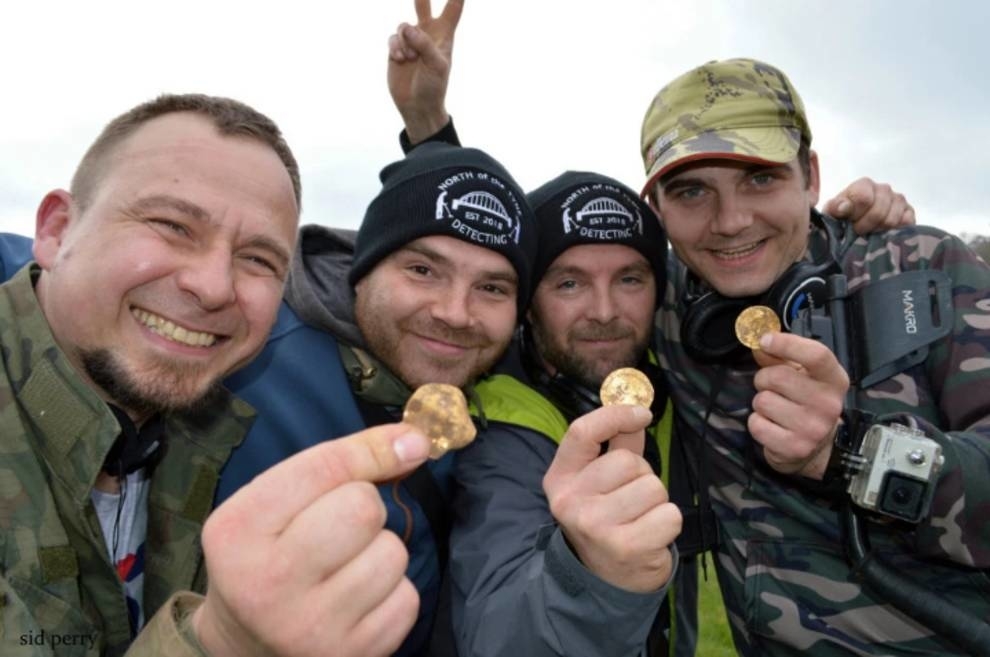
x,y
708,318
134,448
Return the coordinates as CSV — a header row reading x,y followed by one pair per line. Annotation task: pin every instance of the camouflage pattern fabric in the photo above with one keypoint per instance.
x,y
787,586
736,108
59,593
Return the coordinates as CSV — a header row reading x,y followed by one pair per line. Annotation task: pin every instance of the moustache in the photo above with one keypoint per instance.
x,y
604,332
438,330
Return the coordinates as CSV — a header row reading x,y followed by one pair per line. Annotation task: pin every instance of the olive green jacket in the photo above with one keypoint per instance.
x,y
59,593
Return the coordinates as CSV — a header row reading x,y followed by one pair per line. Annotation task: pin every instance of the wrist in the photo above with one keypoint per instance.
x,y
422,125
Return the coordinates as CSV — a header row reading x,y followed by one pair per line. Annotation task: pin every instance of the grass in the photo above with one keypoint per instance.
x,y
714,636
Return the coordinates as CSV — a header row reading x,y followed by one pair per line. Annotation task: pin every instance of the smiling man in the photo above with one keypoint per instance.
x,y
557,548
727,151
154,285
157,275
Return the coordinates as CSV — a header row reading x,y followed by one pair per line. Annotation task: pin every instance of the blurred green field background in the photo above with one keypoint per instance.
x,y
714,637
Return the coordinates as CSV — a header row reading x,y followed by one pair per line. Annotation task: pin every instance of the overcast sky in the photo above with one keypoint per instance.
x,y
895,89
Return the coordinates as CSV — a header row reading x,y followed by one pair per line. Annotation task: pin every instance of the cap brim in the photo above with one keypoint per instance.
x,y
773,145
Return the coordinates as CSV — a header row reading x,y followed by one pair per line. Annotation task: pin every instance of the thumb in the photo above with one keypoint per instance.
x,y
582,443
376,454
634,441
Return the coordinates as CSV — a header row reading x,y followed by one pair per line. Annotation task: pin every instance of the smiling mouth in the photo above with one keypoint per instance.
x,y
738,252
170,331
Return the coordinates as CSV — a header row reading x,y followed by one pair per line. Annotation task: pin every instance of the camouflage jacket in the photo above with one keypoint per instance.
x,y
59,593
787,586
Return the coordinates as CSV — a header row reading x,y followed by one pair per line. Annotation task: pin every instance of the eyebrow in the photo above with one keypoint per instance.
x,y
638,266
687,180
197,213
276,249
508,275
173,203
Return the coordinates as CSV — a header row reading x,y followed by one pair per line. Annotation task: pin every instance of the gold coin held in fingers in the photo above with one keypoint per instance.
x,y
753,323
626,385
440,411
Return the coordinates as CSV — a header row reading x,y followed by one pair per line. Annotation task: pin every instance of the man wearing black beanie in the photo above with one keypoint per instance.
x,y
532,573
442,265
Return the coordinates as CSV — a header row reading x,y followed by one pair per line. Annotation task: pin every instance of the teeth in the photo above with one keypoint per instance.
x,y
735,253
167,329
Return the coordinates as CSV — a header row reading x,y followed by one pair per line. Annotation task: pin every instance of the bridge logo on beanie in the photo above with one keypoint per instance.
x,y
480,208
601,212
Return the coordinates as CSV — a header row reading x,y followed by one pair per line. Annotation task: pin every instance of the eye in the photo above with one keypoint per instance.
x,y
568,284
419,270
494,289
632,279
263,263
170,225
686,193
762,178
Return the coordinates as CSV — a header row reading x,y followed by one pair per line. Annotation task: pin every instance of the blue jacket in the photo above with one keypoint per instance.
x,y
299,388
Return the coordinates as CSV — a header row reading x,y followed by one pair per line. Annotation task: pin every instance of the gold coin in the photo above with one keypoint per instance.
x,y
753,323
626,385
440,411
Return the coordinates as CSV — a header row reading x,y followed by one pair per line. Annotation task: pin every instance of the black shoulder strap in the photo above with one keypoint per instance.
x,y
420,484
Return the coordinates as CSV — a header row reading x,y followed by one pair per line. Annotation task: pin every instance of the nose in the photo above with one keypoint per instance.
x,y
452,306
209,278
731,216
603,307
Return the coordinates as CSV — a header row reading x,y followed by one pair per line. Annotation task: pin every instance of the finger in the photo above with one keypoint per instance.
x,y
635,499
283,491
420,43
333,529
875,216
451,14
611,471
395,52
658,527
365,582
819,361
897,213
424,14
648,538
909,218
806,419
852,200
382,631
763,359
582,443
633,441
783,449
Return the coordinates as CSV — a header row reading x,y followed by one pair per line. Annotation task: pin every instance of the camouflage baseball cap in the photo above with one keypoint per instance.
x,y
739,109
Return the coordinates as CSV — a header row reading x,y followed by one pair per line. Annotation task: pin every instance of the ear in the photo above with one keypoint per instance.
x,y
51,223
814,178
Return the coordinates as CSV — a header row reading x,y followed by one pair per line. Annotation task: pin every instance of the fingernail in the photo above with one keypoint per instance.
x,y
766,340
412,446
844,206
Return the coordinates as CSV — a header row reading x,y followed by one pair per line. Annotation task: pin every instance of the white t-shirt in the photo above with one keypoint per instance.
x,y
127,512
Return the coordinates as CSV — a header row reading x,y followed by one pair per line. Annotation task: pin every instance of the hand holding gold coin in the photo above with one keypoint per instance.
x,y
440,411
753,323
626,385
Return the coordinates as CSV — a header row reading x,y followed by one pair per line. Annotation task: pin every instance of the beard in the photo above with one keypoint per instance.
x,y
561,353
168,387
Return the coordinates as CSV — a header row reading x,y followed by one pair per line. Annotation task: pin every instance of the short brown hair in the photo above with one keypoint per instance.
x,y
231,117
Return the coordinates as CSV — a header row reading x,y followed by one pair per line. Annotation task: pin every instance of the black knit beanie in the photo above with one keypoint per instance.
x,y
439,189
578,207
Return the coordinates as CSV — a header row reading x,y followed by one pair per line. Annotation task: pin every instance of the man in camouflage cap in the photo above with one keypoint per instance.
x,y
729,168
159,273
